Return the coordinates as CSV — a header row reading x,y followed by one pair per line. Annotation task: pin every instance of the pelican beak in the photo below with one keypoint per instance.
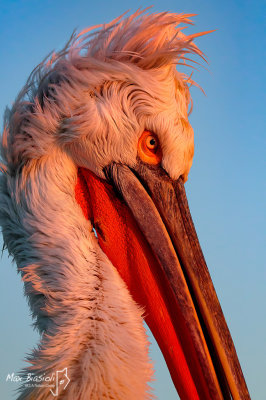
x,y
144,225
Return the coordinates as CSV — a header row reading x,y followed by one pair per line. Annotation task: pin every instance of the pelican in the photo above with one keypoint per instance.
x,y
95,153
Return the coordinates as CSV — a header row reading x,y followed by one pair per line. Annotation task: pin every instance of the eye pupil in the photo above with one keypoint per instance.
x,y
151,143
149,149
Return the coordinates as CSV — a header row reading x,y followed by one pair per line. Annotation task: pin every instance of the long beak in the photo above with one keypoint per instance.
x,y
144,226
160,207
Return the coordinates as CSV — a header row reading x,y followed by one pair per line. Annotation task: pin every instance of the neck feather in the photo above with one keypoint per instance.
x,y
88,321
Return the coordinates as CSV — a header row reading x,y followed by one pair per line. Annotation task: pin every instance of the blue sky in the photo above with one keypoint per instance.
x,y
226,187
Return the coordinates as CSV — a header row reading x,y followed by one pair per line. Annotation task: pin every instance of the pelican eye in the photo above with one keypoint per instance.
x,y
149,149
151,143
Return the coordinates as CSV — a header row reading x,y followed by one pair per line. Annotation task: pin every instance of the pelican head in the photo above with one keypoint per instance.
x,y
95,153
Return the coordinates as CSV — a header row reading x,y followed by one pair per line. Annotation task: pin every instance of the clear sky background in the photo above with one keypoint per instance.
x,y
226,188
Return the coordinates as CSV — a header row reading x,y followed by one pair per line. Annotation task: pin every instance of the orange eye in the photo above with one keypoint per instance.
x,y
151,143
149,149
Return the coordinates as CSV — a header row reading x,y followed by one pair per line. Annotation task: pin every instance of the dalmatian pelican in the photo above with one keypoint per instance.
x,y
95,153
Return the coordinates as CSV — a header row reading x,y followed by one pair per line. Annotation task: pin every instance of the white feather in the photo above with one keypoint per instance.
x,y
88,106
88,321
